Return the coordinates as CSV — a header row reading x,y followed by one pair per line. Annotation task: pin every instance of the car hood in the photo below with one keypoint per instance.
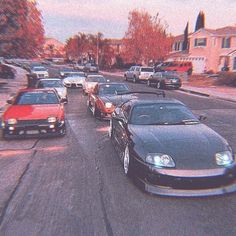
x,y
32,112
191,146
115,99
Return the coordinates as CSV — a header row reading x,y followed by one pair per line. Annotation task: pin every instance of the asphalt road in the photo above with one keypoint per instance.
x,y
76,186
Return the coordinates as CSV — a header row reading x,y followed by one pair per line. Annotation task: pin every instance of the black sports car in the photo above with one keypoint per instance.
x,y
168,151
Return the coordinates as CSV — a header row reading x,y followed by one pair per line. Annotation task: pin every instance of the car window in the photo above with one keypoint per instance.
x,y
98,79
147,69
112,89
50,84
162,114
36,98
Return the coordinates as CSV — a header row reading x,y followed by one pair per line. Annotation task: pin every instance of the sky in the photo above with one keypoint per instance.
x,y
64,18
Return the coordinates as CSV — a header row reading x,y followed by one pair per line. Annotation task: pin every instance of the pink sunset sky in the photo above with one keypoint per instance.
x,y
64,18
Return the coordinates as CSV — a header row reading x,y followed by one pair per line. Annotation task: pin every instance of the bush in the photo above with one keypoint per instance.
x,y
227,78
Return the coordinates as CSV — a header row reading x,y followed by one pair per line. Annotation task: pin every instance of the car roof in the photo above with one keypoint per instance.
x,y
142,101
36,89
90,76
49,79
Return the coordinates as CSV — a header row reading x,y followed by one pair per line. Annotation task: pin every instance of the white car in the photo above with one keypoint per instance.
x,y
138,73
91,81
75,80
56,84
39,71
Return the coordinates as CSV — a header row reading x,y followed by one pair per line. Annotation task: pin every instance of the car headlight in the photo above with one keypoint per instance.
x,y
160,160
52,119
224,158
108,105
12,121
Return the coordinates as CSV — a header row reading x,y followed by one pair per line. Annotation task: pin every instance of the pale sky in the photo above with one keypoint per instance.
x,y
64,18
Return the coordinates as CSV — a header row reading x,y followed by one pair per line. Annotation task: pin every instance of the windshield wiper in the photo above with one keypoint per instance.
x,y
182,122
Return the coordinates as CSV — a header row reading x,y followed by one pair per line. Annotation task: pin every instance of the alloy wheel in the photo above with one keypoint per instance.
x,y
126,161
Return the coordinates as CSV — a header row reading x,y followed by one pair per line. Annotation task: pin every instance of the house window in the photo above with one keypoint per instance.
x,y
200,42
234,65
226,42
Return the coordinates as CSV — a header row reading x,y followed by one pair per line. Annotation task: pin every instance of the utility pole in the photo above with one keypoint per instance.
x,y
97,49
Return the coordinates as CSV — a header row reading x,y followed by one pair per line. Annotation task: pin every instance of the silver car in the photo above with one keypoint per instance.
x,y
76,80
56,84
91,81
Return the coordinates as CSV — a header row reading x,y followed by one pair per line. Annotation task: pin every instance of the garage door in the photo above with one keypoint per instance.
x,y
199,64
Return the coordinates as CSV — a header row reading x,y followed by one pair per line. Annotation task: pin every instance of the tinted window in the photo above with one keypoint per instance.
x,y
39,69
162,114
112,89
30,98
50,84
146,69
96,79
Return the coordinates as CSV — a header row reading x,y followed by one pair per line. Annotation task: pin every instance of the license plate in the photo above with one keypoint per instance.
x,y
32,132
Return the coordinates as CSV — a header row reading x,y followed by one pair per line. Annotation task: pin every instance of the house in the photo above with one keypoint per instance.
x,y
208,49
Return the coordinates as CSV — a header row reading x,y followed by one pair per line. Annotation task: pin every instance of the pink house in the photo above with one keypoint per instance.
x,y
208,49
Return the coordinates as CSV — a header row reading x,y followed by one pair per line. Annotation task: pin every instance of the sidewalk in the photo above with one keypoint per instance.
x,y
10,86
220,92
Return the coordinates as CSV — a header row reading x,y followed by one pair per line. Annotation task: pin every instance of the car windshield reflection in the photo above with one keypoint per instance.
x,y
162,114
112,89
36,98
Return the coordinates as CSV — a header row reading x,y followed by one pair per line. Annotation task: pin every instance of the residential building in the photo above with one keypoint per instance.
x,y
208,49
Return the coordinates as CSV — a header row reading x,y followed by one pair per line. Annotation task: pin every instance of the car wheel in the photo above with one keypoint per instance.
x,y
96,112
62,132
148,83
127,162
126,78
159,85
110,132
134,79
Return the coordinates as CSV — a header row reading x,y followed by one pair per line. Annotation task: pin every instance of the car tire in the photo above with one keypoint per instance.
x,y
148,83
127,162
96,113
159,86
110,131
134,79
62,132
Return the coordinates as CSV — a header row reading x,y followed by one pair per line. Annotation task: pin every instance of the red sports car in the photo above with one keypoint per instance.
x,y
34,113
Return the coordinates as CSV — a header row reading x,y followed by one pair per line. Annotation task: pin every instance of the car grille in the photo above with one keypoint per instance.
x,y
190,182
32,122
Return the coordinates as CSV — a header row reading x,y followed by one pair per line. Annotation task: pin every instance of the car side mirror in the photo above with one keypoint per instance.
x,y
63,100
202,118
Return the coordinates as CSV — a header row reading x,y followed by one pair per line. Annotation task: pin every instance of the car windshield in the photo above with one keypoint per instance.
x,y
162,114
111,89
50,84
34,98
39,69
96,79
77,75
147,69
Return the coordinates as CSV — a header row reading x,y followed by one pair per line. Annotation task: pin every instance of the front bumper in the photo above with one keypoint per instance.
x,y
73,85
34,129
184,183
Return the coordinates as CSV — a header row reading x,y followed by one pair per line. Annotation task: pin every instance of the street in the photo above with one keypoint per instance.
x,y
75,185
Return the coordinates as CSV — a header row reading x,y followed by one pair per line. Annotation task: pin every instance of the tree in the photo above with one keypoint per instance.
x,y
146,38
21,29
185,43
200,23
86,47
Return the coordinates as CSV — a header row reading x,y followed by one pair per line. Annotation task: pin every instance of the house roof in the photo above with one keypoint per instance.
x,y
228,30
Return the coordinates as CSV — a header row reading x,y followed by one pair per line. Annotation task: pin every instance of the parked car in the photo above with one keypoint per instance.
x,y
161,80
90,67
91,81
178,66
75,80
104,98
168,151
80,67
54,83
34,113
138,73
39,71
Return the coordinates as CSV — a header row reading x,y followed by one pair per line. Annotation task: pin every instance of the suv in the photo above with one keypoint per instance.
x,y
139,73
178,66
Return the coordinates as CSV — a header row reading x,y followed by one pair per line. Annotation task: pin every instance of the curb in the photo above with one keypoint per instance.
x,y
194,92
